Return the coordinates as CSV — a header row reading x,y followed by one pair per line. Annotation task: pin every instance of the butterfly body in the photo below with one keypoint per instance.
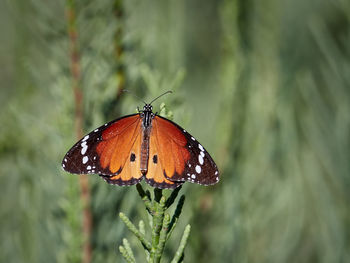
x,y
142,145
147,116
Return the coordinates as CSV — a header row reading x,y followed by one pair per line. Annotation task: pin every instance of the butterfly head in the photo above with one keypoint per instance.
x,y
147,108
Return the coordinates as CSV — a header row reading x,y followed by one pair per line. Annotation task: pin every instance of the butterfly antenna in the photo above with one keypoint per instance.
x,y
125,90
169,91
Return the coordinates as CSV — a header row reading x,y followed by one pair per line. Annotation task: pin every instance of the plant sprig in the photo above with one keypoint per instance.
x,y
162,225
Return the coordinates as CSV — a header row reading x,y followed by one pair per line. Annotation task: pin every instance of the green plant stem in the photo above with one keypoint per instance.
x,y
163,236
136,232
145,198
176,216
142,227
126,255
128,249
157,224
180,251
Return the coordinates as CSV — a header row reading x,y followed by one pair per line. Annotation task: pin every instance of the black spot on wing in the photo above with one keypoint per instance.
x,y
132,157
155,158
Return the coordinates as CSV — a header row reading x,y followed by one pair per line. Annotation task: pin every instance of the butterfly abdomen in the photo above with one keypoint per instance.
x,y
145,149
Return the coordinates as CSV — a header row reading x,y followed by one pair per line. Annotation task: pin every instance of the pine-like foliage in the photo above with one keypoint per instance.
x,y
264,85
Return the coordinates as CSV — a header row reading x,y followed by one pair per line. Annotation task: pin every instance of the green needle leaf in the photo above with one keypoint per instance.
x,y
180,251
135,231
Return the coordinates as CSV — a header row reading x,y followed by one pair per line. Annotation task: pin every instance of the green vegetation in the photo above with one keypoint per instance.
x,y
263,85
161,223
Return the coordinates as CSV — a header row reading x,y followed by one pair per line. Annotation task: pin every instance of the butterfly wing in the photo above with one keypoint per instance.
x,y
160,160
179,157
110,150
114,150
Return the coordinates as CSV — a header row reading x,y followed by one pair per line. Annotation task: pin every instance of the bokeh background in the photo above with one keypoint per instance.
x,y
263,85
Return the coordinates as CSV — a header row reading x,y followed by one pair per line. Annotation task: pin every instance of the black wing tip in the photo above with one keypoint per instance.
x,y
64,164
67,166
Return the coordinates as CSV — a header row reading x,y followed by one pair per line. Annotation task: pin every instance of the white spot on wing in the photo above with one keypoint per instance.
x,y
85,138
65,159
85,159
96,130
83,150
201,147
193,176
216,172
88,167
193,139
202,153
189,165
200,159
198,169
63,165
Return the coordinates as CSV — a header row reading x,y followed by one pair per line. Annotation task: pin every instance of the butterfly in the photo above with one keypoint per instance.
x,y
142,145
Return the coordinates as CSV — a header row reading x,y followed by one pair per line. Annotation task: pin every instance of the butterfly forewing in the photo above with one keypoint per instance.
x,y
94,153
200,168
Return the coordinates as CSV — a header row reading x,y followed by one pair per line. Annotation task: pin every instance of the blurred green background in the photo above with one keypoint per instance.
x,y
263,85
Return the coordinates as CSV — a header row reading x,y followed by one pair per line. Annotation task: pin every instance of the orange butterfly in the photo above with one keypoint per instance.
x,y
142,145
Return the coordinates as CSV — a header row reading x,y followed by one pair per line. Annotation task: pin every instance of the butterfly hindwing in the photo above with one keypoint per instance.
x,y
160,161
130,163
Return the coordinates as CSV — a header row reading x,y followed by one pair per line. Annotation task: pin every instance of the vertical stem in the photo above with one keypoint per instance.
x,y
179,255
158,217
163,236
118,46
78,95
161,225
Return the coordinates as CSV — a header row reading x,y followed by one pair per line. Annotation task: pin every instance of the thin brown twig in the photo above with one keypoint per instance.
x,y
119,47
78,95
